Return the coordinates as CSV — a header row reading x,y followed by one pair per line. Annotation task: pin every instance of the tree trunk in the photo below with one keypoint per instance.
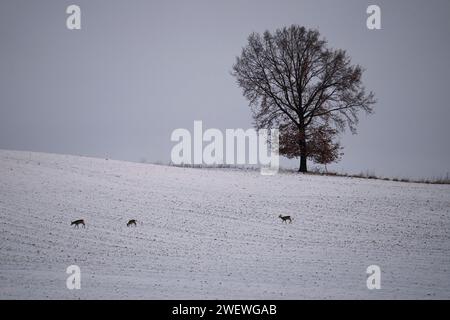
x,y
302,144
303,154
303,167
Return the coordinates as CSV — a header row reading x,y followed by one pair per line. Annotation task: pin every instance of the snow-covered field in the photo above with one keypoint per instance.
x,y
210,233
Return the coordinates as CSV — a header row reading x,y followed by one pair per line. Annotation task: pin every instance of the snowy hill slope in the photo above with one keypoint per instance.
x,y
214,233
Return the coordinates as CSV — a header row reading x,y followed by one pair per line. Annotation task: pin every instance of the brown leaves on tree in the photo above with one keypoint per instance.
x,y
321,146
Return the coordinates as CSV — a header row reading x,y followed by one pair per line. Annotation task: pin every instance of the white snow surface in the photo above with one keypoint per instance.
x,y
214,233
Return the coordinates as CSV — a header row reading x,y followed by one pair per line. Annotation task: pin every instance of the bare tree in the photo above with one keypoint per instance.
x,y
292,77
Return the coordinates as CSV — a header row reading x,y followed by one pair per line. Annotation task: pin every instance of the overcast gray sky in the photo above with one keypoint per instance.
x,y
137,70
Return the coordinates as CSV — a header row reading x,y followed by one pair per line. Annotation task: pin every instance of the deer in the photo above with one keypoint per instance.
x,y
131,222
285,218
77,223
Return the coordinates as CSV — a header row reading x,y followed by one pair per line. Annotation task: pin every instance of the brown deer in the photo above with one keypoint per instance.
x,y
285,218
131,222
77,223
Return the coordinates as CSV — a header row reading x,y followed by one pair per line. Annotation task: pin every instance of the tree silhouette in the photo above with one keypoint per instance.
x,y
292,80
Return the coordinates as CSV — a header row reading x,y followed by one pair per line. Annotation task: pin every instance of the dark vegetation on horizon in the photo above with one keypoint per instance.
x,y
315,171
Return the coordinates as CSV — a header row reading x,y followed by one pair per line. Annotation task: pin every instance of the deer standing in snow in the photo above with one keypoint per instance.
x,y
77,223
285,218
